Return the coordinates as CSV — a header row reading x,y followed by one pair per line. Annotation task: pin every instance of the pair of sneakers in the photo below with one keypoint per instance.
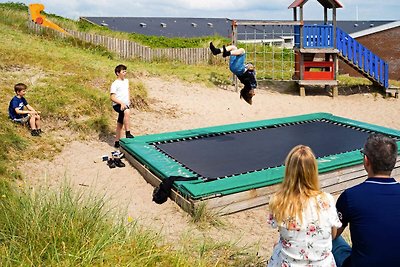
x,y
117,162
36,132
215,51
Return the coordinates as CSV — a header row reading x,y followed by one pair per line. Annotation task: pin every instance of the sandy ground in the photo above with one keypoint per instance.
x,y
177,106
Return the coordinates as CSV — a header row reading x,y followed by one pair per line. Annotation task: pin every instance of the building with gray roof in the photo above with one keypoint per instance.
x,y
200,27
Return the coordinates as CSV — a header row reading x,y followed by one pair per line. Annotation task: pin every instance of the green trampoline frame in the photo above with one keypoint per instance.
x,y
163,166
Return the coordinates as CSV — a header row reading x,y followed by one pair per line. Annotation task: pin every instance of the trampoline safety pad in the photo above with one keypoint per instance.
x,y
234,158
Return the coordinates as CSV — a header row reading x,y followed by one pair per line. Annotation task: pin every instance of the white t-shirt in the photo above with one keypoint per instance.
x,y
308,243
121,90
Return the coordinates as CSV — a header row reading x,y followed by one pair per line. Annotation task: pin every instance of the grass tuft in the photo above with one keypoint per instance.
x,y
204,218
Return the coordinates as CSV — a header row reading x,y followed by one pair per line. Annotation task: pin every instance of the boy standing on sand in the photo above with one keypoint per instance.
x,y
21,112
120,97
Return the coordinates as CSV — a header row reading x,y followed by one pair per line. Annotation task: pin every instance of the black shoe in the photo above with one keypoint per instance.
x,y
39,131
118,162
129,135
116,144
214,51
225,53
35,133
111,163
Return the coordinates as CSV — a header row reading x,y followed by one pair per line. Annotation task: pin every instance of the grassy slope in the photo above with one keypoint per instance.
x,y
69,82
60,80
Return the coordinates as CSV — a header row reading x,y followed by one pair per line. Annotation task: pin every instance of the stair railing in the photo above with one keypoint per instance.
x,y
321,36
362,58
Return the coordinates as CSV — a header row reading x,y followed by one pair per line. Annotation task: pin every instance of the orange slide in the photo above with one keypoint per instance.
x,y
34,10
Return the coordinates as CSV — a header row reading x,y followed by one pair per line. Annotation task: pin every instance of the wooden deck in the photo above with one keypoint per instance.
x,y
327,83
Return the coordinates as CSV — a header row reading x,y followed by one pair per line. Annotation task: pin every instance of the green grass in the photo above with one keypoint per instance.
x,y
205,218
43,228
68,80
353,81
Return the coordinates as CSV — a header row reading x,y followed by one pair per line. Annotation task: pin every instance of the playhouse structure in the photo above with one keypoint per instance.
x,y
318,47
307,53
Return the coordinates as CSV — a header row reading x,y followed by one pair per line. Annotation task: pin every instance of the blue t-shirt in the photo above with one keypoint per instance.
x,y
19,103
372,209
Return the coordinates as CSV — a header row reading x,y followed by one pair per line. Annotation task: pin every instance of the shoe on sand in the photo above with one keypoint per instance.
x,y
118,162
111,163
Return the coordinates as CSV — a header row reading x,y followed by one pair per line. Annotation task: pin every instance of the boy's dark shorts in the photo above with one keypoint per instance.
x,y
121,113
23,120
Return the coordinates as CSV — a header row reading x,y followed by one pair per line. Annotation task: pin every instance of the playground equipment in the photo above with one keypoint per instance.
x,y
239,166
317,48
311,56
38,18
268,45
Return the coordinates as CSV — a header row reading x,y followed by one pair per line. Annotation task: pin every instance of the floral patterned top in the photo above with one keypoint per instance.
x,y
308,243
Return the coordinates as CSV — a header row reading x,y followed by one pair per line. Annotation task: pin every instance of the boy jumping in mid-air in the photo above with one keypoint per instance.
x,y
244,71
120,97
21,112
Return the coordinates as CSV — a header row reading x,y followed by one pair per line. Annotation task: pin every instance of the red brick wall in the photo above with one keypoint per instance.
x,y
386,45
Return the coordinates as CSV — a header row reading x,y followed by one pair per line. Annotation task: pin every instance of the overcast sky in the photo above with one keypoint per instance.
x,y
233,9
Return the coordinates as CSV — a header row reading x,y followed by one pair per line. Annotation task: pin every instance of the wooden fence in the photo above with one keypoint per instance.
x,y
127,49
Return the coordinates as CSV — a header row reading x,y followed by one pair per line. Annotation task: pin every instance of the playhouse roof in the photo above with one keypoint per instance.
x,y
324,3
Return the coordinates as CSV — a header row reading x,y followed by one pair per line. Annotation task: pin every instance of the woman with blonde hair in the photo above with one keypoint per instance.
x,y
305,216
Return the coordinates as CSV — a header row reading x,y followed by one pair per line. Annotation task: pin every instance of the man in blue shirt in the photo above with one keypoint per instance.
x,y
372,209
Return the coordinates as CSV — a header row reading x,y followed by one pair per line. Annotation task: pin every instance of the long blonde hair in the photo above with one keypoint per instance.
x,y
299,185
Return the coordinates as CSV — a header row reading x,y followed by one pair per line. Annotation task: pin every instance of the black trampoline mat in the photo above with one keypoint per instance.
x,y
237,153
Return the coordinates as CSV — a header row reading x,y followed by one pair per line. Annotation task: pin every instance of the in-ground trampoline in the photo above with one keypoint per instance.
x,y
239,165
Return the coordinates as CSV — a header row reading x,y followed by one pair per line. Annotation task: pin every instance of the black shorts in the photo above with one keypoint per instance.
x,y
23,120
121,113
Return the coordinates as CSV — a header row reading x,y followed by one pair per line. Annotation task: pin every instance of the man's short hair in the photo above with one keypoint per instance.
x,y
19,87
381,151
119,68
